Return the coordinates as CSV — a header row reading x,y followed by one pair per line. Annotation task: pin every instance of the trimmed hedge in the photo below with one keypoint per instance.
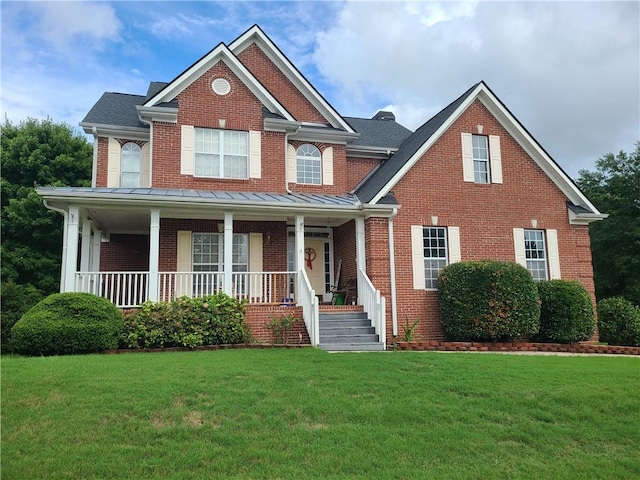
x,y
488,301
16,300
68,323
619,322
186,322
566,312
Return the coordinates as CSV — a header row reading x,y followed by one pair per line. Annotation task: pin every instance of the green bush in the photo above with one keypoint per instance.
x,y
15,300
619,322
488,301
566,312
68,323
186,322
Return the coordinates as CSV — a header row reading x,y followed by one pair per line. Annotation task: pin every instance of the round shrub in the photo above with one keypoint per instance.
x,y
566,312
16,300
488,301
619,322
67,323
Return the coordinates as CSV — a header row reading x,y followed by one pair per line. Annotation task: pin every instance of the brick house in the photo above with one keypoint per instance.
x,y
238,176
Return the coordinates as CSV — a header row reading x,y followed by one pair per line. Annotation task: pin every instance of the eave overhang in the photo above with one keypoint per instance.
x,y
585,218
102,130
157,114
363,151
320,134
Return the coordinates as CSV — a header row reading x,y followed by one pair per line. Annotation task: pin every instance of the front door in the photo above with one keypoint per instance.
x,y
314,264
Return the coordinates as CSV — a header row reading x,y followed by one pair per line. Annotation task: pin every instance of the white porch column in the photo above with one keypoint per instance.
x,y
95,251
299,243
228,253
154,253
361,262
85,251
71,260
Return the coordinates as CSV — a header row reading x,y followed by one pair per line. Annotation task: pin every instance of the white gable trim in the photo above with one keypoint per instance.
x,y
257,36
220,53
513,127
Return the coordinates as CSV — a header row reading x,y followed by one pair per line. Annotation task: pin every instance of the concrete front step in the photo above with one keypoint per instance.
x,y
346,330
342,316
352,347
357,323
367,338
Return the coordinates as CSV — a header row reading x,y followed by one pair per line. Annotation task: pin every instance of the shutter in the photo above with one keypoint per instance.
x,y
454,244
518,245
495,159
113,163
467,157
292,170
255,265
327,166
145,167
255,155
417,255
184,264
554,254
188,140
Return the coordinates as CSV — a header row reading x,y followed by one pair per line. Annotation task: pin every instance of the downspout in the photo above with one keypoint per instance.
x,y
94,168
392,274
65,214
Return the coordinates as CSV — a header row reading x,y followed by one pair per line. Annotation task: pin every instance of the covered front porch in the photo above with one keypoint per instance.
x,y
264,254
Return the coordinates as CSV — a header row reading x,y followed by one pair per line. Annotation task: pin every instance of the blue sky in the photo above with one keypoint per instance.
x,y
569,71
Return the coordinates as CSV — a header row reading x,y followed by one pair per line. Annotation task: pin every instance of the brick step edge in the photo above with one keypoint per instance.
x,y
517,347
232,346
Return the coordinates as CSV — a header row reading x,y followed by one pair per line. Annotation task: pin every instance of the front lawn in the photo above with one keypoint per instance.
x,y
305,413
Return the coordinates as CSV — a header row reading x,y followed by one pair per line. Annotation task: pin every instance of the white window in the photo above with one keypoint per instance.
x,y
434,247
221,153
208,256
130,160
536,254
480,159
309,162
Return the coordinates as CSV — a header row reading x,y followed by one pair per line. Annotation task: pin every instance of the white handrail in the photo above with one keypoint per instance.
x,y
373,304
306,297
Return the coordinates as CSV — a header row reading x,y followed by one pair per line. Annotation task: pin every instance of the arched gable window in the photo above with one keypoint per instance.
x,y
309,162
131,158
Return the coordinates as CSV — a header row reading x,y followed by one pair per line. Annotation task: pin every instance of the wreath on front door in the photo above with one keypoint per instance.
x,y
310,256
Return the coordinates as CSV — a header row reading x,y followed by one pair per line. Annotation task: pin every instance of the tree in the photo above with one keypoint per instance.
x,y
614,188
37,152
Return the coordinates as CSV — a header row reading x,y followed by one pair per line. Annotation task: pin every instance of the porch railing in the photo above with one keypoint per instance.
x,y
130,289
310,309
124,289
374,304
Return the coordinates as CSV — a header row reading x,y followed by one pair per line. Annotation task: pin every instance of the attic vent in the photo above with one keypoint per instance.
x,y
382,115
221,86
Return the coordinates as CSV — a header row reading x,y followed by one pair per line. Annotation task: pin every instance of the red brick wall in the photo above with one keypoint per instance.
x,y
279,85
341,173
259,315
125,253
485,213
358,168
344,247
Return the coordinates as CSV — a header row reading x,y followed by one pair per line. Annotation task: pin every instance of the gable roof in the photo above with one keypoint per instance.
x,y
220,53
389,174
255,35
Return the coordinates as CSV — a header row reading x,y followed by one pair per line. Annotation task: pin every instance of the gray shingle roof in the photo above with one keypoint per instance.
x,y
116,109
372,185
154,89
378,133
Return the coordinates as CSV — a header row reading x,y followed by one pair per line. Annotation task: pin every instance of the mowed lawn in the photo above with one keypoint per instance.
x,y
309,414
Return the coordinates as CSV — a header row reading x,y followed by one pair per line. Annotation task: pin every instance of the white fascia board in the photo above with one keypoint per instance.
x,y
319,135
534,150
220,53
585,218
363,151
101,130
257,36
280,125
157,114
425,146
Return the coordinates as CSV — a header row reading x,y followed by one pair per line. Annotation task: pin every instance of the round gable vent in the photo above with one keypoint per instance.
x,y
221,86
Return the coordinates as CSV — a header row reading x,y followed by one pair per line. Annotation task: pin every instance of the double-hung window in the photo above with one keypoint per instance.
x,y
130,160
208,257
480,159
309,161
536,254
435,254
221,153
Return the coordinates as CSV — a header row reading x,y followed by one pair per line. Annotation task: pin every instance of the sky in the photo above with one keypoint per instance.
x,y
569,71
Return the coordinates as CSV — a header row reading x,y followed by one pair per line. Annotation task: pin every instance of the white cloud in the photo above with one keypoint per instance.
x,y
569,72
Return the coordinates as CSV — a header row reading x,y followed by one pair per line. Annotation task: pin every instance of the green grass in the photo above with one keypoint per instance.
x,y
309,414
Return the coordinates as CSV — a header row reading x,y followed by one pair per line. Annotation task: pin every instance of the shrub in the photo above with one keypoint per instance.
x,y
186,322
488,301
566,312
619,322
68,323
16,300
280,327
